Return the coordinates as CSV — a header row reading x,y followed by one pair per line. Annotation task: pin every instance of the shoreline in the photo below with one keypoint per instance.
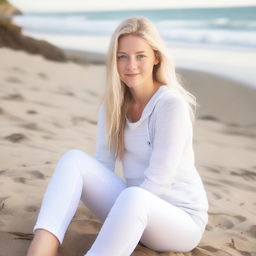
x,y
205,60
84,57
236,63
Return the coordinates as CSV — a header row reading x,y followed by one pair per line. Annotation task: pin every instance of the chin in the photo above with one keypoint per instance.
x,y
131,84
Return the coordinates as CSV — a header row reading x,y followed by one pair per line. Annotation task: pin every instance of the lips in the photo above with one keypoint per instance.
x,y
131,75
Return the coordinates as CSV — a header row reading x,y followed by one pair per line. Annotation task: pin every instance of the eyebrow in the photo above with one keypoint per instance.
x,y
135,52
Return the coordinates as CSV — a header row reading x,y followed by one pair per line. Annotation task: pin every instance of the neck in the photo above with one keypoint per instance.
x,y
141,95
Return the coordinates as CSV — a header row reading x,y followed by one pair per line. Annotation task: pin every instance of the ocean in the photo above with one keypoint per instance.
x,y
232,27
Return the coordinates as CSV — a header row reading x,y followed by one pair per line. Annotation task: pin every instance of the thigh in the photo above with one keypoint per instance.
x,y
101,186
169,228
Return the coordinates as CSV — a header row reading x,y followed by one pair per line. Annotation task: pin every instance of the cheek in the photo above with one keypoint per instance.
x,y
120,68
147,67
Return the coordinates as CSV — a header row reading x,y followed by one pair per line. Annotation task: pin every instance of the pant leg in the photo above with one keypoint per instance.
x,y
77,175
138,215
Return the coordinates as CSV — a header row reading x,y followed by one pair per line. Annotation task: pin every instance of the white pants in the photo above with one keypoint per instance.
x,y
130,214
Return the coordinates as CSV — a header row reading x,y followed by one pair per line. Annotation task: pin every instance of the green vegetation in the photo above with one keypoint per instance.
x,y
11,37
6,9
7,25
4,2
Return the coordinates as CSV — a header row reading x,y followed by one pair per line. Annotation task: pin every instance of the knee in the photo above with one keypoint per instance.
x,y
134,195
73,159
74,155
132,202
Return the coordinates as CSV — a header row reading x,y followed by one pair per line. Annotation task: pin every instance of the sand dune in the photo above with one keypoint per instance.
x,y
47,108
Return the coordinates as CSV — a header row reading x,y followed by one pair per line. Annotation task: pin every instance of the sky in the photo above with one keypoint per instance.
x,y
100,5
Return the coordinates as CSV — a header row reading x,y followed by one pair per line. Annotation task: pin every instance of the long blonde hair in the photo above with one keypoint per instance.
x,y
117,95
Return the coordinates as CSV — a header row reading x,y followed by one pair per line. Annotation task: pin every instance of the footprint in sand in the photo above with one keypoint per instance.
x,y
233,125
2,199
224,221
42,75
209,248
92,93
15,137
28,175
2,172
32,112
216,195
17,69
22,236
57,125
10,116
63,90
76,119
213,184
211,118
47,137
34,127
209,227
240,218
31,208
238,185
13,79
245,174
221,222
68,93
212,169
14,96
252,231
37,174
20,180
30,126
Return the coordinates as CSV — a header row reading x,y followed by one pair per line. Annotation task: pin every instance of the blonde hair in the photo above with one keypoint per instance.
x,y
117,95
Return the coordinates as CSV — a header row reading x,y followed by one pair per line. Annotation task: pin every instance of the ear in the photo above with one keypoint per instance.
x,y
157,58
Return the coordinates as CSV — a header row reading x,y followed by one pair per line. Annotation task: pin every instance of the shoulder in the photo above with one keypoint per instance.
x,y
172,112
171,102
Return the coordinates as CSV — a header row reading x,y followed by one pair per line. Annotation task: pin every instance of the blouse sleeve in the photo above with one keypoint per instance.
x,y
171,131
103,154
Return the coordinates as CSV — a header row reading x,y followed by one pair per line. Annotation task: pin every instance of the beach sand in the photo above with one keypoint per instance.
x,y
47,108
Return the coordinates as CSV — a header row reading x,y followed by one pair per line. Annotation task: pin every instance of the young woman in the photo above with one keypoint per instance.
x,y
145,121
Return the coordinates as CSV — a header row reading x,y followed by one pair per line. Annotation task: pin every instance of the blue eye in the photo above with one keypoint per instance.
x,y
121,57
141,56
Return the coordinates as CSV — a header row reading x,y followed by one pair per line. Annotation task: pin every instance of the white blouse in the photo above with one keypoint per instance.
x,y
159,155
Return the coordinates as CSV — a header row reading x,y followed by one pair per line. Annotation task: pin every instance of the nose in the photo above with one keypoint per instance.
x,y
131,63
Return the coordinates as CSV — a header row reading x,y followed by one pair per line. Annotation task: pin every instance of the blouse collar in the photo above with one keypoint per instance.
x,y
162,90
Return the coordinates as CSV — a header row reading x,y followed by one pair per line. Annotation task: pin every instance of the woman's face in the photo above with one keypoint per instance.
x,y
135,61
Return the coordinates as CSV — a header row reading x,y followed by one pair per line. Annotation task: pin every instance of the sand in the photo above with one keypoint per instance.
x,y
47,108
